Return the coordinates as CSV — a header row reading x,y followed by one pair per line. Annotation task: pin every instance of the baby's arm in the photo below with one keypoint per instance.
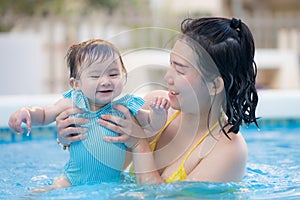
x,y
154,119
37,115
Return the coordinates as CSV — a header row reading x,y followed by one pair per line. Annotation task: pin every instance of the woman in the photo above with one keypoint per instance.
x,y
211,83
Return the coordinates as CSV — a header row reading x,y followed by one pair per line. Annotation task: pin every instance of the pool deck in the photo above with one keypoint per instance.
x,y
273,104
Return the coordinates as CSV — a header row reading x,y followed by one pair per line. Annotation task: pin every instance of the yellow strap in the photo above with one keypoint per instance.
x,y
199,141
180,173
153,142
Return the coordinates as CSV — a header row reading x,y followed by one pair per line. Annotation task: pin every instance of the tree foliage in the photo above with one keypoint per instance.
x,y
11,10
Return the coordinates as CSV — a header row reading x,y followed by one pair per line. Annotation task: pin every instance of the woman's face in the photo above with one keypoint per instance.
x,y
187,89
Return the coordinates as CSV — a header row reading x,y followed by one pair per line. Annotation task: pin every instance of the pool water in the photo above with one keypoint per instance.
x,y
272,170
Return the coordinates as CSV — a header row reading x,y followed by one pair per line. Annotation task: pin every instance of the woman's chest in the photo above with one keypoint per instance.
x,y
175,147
178,157
180,150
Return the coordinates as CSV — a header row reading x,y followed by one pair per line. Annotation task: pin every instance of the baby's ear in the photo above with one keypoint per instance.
x,y
74,83
216,86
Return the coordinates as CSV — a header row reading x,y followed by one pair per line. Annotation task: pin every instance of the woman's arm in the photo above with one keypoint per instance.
x,y
144,164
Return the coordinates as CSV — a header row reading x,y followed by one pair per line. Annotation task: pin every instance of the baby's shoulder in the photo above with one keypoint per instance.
x,y
64,103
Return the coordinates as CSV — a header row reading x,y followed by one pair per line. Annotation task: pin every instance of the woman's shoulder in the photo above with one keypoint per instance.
x,y
235,146
227,160
234,151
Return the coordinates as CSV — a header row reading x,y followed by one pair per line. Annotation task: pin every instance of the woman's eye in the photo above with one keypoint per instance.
x,y
179,70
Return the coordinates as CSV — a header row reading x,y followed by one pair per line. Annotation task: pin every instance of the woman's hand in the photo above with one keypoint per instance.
x,y
128,128
134,137
66,130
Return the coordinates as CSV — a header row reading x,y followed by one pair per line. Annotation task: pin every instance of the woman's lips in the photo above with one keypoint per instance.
x,y
172,94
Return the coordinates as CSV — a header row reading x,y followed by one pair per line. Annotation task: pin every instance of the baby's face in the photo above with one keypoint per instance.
x,y
102,81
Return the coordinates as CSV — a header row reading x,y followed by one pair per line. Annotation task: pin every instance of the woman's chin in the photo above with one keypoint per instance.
x,y
175,106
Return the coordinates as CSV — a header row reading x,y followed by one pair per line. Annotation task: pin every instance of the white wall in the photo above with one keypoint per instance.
x,y
22,64
213,7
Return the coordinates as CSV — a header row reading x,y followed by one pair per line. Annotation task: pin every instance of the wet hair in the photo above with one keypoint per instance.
x,y
230,45
89,52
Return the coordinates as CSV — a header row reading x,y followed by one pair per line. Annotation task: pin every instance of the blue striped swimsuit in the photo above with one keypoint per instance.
x,y
94,160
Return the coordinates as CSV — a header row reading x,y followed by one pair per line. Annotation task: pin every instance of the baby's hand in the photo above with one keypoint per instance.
x,y
160,104
16,119
158,113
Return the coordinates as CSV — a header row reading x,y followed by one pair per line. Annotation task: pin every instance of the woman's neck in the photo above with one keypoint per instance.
x,y
198,123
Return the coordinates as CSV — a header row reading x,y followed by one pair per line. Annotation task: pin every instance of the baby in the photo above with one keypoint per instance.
x,y
97,76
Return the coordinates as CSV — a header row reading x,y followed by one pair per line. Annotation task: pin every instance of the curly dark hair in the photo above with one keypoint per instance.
x,y
230,45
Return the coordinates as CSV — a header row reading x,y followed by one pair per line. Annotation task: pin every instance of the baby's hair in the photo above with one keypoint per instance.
x,y
89,52
230,45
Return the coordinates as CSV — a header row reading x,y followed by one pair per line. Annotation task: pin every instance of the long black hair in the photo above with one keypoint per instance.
x,y
230,45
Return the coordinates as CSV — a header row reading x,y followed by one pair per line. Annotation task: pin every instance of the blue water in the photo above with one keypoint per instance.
x,y
272,171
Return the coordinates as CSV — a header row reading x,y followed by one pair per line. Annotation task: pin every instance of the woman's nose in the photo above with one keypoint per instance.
x,y
169,77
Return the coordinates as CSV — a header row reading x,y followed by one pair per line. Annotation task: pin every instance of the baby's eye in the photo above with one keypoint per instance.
x,y
113,75
95,76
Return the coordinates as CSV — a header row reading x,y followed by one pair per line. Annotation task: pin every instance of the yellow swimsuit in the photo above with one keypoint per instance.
x,y
153,142
180,173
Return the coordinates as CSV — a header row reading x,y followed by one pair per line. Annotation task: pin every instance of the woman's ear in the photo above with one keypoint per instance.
x,y
216,86
74,83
